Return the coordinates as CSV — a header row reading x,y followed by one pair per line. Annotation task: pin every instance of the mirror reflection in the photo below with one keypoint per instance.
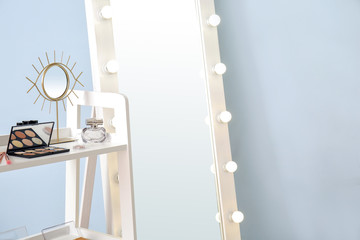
x,y
161,69
55,81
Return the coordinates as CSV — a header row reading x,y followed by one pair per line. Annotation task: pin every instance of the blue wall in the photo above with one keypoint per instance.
x,y
293,88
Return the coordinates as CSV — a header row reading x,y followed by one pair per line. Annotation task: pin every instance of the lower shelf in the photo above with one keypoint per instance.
x,y
85,233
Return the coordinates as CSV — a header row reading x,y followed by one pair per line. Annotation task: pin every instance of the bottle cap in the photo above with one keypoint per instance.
x,y
94,121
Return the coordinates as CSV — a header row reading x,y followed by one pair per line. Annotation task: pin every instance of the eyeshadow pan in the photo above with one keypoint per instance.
x,y
29,154
30,151
27,142
30,133
13,137
37,141
10,146
19,153
17,143
20,134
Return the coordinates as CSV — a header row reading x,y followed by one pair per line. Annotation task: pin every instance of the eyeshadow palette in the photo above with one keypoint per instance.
x,y
32,140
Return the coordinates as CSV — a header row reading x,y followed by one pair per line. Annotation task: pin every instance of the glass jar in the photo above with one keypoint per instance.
x,y
93,133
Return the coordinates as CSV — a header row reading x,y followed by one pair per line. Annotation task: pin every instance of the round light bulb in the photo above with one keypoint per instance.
x,y
231,166
112,66
106,12
237,217
217,217
116,178
224,117
212,168
220,68
114,122
214,20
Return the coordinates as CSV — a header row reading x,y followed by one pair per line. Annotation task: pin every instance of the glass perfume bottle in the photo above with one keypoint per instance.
x,y
93,133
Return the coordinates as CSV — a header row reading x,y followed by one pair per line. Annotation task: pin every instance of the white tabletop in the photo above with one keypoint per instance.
x,y
90,149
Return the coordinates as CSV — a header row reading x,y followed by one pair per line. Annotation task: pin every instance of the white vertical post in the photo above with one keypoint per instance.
x,y
72,191
127,195
72,172
87,194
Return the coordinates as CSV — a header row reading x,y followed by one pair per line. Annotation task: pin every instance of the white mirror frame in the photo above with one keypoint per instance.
x,y
225,183
102,51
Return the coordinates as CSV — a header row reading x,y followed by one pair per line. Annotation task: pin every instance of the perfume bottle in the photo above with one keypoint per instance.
x,y
93,133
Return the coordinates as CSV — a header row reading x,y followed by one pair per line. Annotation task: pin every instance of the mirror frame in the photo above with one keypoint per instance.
x,y
220,139
103,50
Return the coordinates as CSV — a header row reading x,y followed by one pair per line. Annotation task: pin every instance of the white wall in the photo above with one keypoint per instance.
x,y
293,88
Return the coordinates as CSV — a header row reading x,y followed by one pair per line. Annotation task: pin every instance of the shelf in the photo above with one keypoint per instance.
x,y
86,233
114,145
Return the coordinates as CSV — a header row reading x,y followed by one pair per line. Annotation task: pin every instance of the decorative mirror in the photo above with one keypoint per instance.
x,y
54,84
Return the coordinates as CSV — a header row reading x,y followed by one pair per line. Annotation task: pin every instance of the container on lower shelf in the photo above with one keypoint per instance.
x,y
65,231
68,231
14,234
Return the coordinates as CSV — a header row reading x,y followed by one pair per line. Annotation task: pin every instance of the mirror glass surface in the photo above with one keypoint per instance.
x,y
161,72
55,81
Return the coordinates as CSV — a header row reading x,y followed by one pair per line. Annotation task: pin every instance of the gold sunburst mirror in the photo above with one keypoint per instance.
x,y
54,84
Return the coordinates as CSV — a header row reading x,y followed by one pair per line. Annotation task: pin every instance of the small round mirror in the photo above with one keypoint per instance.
x,y
55,81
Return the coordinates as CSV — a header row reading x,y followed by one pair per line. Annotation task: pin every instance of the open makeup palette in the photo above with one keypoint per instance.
x,y
32,140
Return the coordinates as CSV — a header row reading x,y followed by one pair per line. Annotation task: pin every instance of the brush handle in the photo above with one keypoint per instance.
x,y
7,159
2,156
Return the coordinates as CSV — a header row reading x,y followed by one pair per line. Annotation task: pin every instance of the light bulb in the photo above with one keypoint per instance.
x,y
237,217
214,20
212,168
224,117
112,66
220,68
116,178
230,166
114,122
106,12
217,217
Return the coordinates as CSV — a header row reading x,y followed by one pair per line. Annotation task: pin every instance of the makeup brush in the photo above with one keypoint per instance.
x,y
1,156
7,159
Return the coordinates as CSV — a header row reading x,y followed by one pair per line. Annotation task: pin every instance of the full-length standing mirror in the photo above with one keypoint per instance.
x,y
164,72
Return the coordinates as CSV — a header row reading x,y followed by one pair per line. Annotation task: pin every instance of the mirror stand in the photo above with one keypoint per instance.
x,y
55,86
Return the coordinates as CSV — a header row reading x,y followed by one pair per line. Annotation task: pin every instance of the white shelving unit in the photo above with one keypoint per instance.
x,y
120,216
116,145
